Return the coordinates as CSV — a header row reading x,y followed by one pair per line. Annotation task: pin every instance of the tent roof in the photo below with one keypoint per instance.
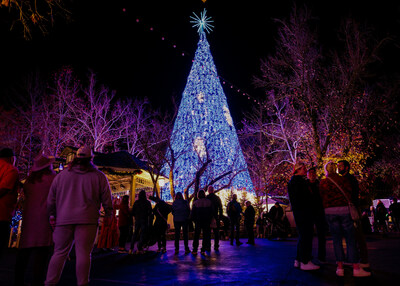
x,y
120,159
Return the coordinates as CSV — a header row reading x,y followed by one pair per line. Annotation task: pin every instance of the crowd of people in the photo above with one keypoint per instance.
x,y
61,211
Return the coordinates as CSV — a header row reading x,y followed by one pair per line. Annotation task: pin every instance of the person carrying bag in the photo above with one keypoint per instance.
x,y
354,213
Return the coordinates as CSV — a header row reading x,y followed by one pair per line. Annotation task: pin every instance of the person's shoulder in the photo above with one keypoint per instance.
x,y
8,168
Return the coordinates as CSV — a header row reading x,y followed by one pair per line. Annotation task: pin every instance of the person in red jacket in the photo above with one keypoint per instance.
x,y
8,194
336,191
124,222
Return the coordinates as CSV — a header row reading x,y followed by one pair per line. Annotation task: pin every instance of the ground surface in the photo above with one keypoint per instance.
x,y
266,263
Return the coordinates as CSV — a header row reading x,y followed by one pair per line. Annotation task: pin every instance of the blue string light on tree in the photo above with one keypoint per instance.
x,y
204,129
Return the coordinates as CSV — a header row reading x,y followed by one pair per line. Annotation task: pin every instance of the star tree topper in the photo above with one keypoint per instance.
x,y
203,22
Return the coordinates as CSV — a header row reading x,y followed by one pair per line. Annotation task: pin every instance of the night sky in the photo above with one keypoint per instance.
x,y
127,56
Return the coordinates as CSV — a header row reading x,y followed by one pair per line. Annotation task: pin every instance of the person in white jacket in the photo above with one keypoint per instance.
x,y
73,205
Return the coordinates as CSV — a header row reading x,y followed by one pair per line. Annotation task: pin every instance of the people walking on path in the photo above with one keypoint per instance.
x,y
124,223
36,242
217,214
249,218
181,213
73,204
8,194
234,211
336,191
300,200
321,226
142,213
161,211
344,170
201,215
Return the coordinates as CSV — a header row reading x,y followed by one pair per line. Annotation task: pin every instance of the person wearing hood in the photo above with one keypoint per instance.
x,y
73,204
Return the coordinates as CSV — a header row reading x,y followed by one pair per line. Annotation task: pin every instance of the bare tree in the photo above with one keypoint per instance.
x,y
59,126
99,115
38,14
154,142
134,123
330,93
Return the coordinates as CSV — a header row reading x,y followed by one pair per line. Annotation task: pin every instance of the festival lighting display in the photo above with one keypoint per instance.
x,y
204,129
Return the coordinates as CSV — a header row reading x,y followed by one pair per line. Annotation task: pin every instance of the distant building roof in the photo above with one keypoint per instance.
x,y
120,159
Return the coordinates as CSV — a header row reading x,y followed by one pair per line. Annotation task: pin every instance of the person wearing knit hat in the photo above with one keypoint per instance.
x,y
8,194
300,200
36,241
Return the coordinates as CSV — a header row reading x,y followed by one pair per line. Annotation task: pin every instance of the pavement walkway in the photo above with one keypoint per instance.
x,y
269,262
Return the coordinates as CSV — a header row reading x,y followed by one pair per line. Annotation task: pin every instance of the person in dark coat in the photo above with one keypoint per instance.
x,y
234,211
275,215
202,213
142,211
320,223
260,226
249,218
381,217
124,222
217,208
301,202
394,211
161,211
344,170
181,213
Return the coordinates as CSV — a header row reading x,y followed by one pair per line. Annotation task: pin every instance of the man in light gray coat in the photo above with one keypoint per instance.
x,y
73,204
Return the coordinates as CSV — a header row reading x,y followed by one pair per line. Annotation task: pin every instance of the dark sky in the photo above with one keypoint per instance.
x,y
127,56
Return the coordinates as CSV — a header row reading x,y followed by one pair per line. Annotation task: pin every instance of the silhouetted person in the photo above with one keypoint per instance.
x,y
142,212
249,218
300,200
73,204
260,226
276,216
217,214
202,213
394,211
381,217
344,170
318,213
181,213
234,211
161,211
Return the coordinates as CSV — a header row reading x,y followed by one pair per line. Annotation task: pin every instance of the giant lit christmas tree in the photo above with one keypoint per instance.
x,y
204,128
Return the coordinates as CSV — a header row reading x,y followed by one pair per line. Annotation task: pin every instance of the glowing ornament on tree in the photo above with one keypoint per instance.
x,y
204,129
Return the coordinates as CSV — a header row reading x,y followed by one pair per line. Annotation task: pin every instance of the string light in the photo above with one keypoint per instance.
x,y
224,81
